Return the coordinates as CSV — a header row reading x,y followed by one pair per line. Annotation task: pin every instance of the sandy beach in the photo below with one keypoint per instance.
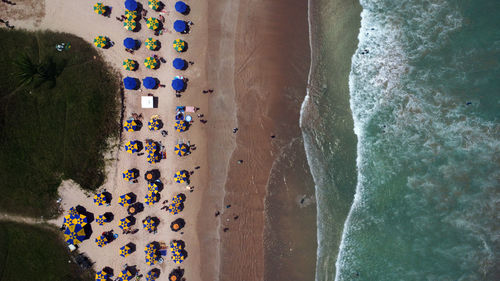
x,y
78,18
259,83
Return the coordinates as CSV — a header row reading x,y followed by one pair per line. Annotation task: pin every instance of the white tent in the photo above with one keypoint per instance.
x,y
147,102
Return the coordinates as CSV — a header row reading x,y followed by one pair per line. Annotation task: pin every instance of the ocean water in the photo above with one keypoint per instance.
x,y
424,89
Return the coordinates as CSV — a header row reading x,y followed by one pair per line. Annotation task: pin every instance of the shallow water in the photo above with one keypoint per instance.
x,y
424,95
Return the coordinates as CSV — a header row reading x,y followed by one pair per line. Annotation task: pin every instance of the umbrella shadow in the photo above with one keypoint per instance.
x,y
108,270
138,207
132,220
138,26
136,172
156,271
82,211
132,247
188,10
177,272
139,125
109,216
132,269
109,197
107,11
179,222
156,220
132,196
88,231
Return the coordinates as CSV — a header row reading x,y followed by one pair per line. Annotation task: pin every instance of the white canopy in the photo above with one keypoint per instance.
x,y
147,102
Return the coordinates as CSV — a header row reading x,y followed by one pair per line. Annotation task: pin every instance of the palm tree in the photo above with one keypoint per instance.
x,y
30,72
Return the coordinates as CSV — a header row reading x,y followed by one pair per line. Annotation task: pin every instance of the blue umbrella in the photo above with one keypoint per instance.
x,y
177,84
129,43
180,7
180,26
130,83
179,63
130,5
149,82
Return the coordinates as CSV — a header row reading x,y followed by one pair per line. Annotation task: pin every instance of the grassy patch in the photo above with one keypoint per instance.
x,y
55,119
31,253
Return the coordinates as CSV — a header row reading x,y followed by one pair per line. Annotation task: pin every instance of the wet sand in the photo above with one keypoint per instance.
x,y
266,85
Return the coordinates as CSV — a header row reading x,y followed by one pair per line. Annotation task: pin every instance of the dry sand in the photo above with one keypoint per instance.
x,y
77,17
259,83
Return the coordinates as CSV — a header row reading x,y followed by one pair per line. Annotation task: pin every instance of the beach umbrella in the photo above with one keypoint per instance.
x,y
131,15
150,248
99,8
151,63
131,5
72,211
149,224
181,149
153,158
101,276
180,125
130,83
132,147
178,84
69,219
181,7
152,275
125,275
152,197
129,43
129,175
125,200
130,25
129,64
101,220
125,251
99,199
151,43
174,209
178,199
180,26
151,147
154,4
101,241
179,63
179,45
100,41
153,23
125,223
149,82
151,258
153,187
154,123
80,219
130,125
178,258
74,234
181,177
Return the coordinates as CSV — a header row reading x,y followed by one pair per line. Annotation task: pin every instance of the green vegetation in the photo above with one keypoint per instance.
x,y
31,253
57,112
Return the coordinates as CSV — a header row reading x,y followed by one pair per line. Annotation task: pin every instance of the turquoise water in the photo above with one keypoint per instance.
x,y
425,98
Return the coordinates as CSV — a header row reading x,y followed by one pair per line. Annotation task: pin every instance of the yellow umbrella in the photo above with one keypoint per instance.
x,y
130,25
100,41
99,8
131,15
151,44
130,64
179,45
153,4
152,23
151,63
125,251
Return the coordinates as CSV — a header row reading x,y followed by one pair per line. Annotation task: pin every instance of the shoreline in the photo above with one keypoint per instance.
x,y
270,82
329,138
